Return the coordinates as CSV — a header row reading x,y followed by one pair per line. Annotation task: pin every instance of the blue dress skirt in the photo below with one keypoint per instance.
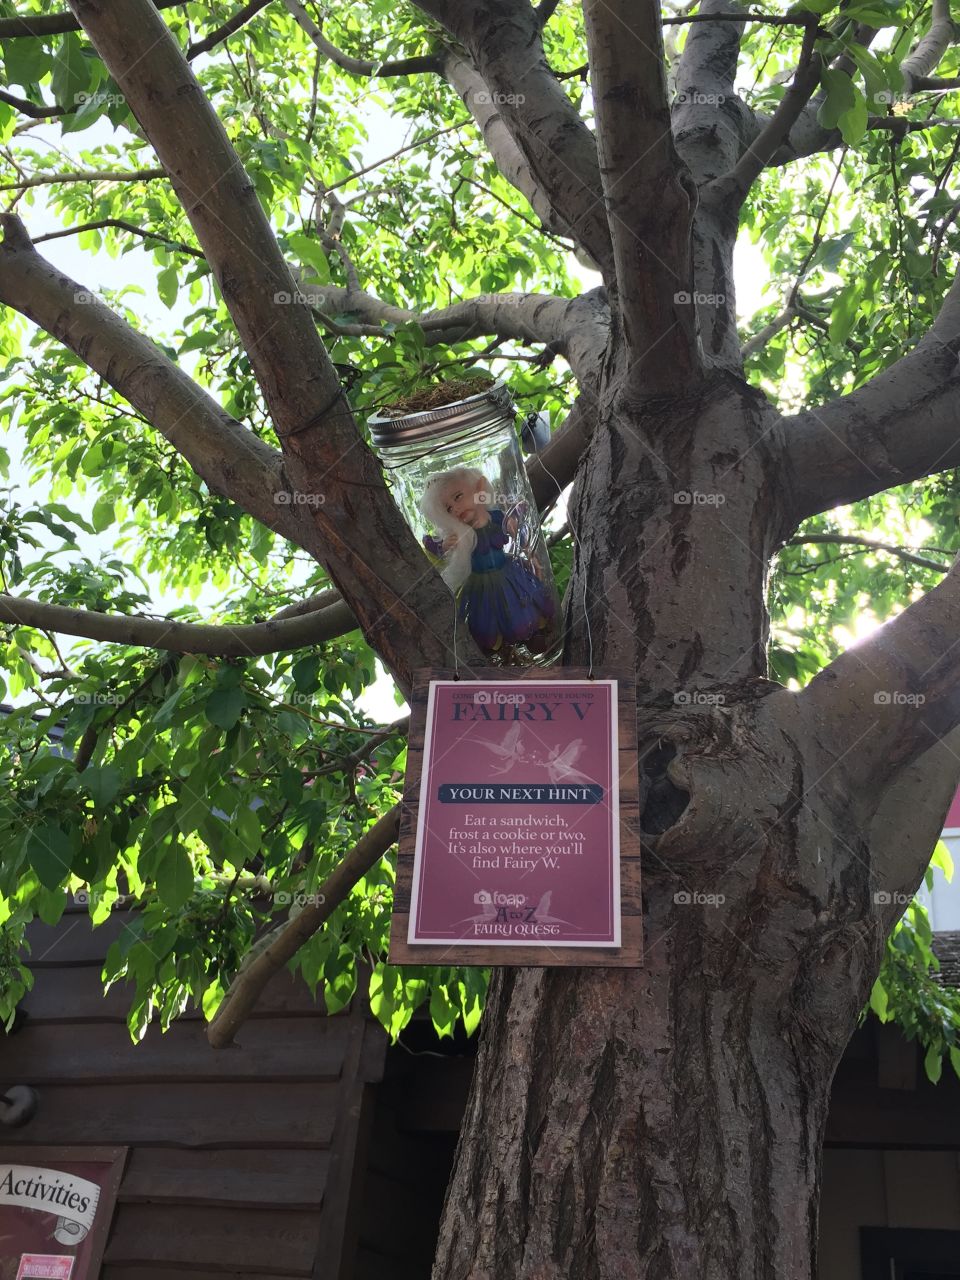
x,y
502,602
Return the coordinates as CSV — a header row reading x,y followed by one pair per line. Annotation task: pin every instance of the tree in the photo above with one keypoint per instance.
x,y
660,1122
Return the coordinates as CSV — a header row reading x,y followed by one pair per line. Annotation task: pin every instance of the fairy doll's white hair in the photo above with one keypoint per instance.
x,y
456,569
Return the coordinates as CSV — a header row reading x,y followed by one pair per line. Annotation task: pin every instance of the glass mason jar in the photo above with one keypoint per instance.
x,y
457,475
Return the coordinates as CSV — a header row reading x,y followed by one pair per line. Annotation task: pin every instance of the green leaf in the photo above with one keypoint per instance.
x,y
224,706
103,514
305,673
443,1012
291,785
943,859
933,1063
168,284
174,876
72,72
853,121
101,782
878,1000
840,97
25,61
50,853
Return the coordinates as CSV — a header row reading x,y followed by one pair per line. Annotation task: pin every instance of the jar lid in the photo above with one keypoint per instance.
x,y
474,413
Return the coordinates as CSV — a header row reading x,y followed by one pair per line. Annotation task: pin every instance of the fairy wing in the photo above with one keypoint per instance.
x,y
571,752
508,745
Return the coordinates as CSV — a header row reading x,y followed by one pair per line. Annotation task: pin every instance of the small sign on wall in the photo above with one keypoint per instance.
x,y
46,1265
518,838
56,1204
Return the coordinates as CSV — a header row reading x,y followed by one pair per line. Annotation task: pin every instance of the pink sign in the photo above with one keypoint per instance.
x,y
48,1265
518,828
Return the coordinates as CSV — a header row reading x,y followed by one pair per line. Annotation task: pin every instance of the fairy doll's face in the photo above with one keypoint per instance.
x,y
466,502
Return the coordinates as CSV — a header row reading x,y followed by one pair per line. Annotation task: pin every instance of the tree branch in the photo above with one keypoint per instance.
x,y
733,187
41,112
325,454
808,136
509,158
227,456
505,45
226,30
53,24
925,57
575,327
898,427
120,225
360,66
889,698
649,195
868,544
226,640
283,943
83,175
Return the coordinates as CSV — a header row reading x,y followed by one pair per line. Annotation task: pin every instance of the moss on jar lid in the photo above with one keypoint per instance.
x,y
440,394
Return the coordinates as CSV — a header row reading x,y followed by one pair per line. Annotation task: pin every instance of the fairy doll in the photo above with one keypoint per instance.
x,y
502,601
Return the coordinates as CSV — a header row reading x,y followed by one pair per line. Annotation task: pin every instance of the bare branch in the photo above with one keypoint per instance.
x,y
360,66
704,80
376,562
898,427
889,698
908,822
227,456
283,943
226,640
925,57
53,24
734,187
869,544
769,331
120,225
227,29
84,175
42,112
504,44
649,195
577,328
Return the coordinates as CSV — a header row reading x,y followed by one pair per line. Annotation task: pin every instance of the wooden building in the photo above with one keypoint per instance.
x,y
276,1158
312,1149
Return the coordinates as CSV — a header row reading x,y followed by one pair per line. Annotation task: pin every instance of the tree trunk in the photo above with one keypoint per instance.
x,y
666,1123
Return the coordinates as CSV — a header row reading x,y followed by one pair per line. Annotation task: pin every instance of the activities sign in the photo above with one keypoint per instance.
x,y
518,841
55,1210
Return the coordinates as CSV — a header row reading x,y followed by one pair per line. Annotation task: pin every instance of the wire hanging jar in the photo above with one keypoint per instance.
x,y
458,477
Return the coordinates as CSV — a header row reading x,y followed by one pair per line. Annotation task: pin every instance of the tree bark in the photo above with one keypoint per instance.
x,y
666,1122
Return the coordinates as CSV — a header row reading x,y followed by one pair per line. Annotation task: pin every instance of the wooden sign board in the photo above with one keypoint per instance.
x,y
519,829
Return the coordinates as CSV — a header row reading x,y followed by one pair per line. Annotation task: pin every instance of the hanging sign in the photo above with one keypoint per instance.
x,y
519,832
55,1209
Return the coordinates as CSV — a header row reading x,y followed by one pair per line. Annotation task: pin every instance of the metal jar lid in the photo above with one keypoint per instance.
x,y
471,415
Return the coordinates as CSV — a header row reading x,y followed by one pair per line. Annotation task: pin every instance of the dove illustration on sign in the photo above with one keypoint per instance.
x,y
509,749
559,764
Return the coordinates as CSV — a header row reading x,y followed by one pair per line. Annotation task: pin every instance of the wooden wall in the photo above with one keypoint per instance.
x,y
242,1161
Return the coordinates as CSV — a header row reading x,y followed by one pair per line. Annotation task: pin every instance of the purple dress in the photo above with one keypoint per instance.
x,y
502,602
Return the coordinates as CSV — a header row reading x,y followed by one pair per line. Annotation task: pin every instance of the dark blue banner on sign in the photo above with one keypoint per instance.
x,y
519,793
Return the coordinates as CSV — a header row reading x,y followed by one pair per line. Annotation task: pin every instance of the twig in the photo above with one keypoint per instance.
x,y
870,544
121,225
